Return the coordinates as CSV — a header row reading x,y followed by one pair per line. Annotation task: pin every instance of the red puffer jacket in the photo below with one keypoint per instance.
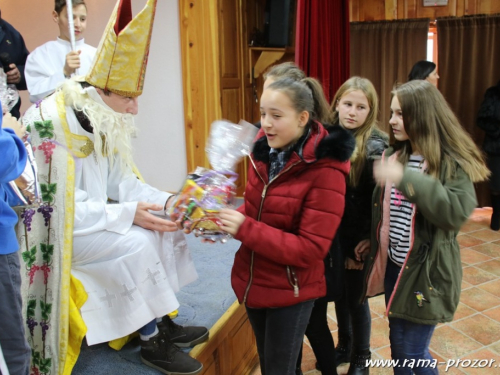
x,y
291,220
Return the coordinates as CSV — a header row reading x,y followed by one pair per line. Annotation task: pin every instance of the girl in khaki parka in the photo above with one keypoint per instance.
x,y
425,193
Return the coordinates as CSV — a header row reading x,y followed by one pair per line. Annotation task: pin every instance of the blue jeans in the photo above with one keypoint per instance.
x,y
409,341
15,348
279,333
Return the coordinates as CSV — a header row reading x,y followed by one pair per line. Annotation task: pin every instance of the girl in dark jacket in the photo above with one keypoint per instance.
x,y
284,225
425,193
355,108
488,119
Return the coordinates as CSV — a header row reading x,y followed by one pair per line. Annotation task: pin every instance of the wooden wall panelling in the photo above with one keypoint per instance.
x,y
410,8
401,9
354,10
461,8
469,7
232,42
200,74
487,6
391,9
370,10
254,18
435,12
230,59
231,80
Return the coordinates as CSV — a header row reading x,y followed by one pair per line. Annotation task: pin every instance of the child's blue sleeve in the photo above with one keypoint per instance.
x,y
13,156
11,197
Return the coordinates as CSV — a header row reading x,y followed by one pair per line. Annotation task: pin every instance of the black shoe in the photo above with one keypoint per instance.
x,y
183,337
160,353
343,350
495,221
358,364
495,216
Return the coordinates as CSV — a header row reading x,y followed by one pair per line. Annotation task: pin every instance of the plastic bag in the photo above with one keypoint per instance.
x,y
206,191
24,190
9,95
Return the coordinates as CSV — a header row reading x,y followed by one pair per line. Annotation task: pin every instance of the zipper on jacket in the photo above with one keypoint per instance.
x,y
263,196
250,280
292,279
365,286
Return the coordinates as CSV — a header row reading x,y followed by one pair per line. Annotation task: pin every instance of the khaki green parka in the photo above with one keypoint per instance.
x,y
429,285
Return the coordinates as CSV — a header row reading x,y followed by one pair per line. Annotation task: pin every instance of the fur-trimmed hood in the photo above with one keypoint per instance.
x,y
332,142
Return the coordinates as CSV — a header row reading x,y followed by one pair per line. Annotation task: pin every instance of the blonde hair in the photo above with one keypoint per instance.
x,y
436,133
364,132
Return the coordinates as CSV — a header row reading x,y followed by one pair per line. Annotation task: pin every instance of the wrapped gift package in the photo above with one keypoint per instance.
x,y
206,191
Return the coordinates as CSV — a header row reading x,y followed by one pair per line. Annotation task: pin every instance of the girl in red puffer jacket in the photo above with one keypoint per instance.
x,y
294,201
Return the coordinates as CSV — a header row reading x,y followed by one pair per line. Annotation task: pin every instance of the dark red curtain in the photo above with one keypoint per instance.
x,y
322,42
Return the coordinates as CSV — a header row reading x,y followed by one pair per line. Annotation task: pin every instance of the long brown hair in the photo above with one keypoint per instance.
x,y
364,132
436,133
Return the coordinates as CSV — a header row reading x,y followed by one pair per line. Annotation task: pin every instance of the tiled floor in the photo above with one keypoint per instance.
x,y
474,333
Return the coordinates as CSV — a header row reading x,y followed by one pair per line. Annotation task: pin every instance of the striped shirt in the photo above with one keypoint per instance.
x,y
401,219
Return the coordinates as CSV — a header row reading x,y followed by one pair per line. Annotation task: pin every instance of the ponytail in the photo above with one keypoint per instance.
x,y
322,111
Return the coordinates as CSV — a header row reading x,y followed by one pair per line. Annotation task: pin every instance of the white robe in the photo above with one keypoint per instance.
x,y
130,274
44,66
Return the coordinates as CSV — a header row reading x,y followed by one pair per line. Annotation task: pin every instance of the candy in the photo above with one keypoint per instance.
x,y
206,191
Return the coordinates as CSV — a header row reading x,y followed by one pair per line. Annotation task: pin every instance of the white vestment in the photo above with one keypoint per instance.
x,y
130,274
44,66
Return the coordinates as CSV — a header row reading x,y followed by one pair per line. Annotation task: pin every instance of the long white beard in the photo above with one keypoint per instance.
x,y
116,128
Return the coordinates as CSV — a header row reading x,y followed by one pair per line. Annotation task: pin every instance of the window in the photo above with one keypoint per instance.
x,y
432,54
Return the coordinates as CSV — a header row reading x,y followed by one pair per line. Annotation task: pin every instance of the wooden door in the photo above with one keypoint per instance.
x,y
231,46
200,75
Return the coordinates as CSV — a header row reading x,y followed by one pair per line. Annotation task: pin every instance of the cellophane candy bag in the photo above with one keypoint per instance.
x,y
206,191
25,190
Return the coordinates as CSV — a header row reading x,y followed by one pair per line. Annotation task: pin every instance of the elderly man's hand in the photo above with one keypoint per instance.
x,y
147,220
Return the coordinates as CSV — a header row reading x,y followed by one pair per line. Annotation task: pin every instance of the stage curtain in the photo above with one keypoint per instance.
x,y
384,52
469,63
322,41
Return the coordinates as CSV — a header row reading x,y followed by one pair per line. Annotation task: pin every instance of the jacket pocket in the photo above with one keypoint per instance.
x,y
442,267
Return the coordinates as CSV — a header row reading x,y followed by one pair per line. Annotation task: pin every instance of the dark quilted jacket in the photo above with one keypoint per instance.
x,y
291,220
488,119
